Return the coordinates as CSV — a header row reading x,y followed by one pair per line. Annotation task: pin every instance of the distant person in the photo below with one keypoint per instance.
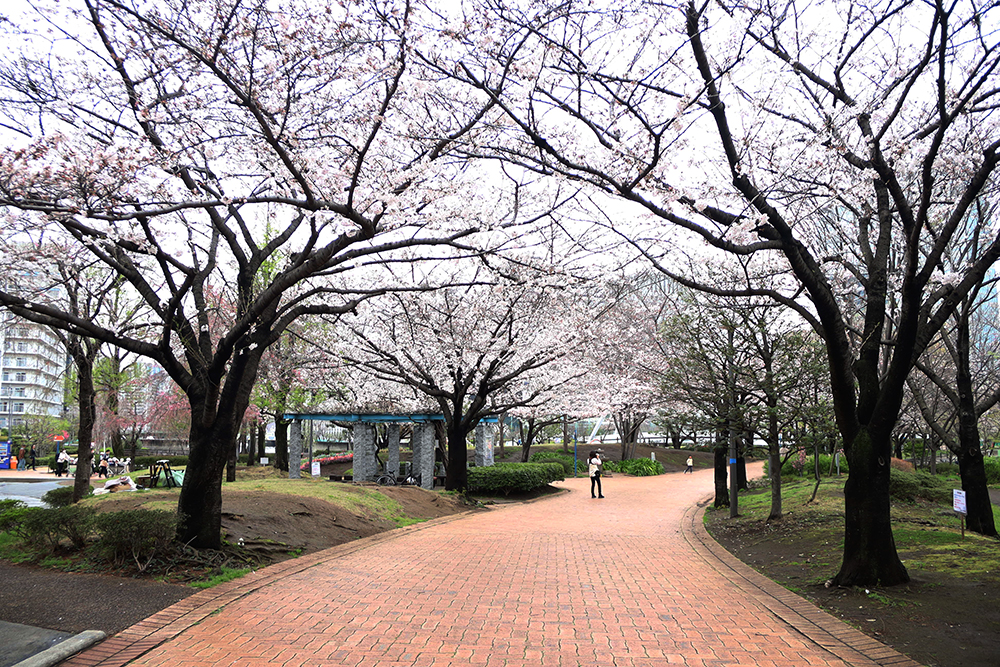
x,y
690,466
595,474
32,455
62,463
22,458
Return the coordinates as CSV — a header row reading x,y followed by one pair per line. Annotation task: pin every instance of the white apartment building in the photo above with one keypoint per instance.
x,y
32,367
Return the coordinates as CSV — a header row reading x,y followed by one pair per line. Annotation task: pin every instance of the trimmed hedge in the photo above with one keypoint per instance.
x,y
636,467
565,460
507,478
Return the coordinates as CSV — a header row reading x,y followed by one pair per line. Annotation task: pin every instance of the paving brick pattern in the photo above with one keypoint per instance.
x,y
631,580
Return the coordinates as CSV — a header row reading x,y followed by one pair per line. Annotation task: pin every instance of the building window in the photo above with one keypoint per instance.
x,y
17,422
18,377
18,408
4,391
19,391
21,362
6,377
4,407
22,346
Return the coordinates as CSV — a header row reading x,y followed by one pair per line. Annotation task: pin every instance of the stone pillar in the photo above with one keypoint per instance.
x,y
295,450
365,461
484,445
423,454
392,435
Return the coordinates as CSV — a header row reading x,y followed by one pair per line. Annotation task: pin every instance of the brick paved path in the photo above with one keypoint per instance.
x,y
631,580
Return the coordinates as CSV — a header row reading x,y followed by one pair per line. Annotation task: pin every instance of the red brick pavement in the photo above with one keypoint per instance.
x,y
631,580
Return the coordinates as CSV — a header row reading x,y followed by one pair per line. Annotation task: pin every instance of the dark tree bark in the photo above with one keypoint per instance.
x,y
83,354
721,457
280,444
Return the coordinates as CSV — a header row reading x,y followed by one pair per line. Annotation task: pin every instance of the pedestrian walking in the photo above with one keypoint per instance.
x,y
690,466
32,455
22,459
595,474
62,463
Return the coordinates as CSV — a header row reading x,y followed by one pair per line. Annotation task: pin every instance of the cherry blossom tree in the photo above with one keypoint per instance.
x,y
263,152
473,351
756,129
963,369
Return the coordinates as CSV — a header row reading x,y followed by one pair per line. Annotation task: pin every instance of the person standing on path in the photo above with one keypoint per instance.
x,y
595,474
22,459
690,466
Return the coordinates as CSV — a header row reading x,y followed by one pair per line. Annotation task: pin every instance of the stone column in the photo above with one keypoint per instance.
x,y
484,445
295,450
423,454
392,436
365,462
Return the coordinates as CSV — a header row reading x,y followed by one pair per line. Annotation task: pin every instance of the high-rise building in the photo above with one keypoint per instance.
x,y
32,367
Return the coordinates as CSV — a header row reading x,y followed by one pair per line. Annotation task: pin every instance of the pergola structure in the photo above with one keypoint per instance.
x,y
366,466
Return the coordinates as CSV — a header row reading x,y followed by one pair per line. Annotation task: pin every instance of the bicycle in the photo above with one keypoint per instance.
x,y
388,479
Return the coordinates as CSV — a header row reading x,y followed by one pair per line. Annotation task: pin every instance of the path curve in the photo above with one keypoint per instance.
x,y
632,580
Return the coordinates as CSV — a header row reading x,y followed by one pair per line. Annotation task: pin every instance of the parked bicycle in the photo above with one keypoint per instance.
x,y
388,479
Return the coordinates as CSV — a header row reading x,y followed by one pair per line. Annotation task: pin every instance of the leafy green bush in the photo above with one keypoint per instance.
x,y
61,496
992,466
135,535
506,478
565,460
11,514
637,467
946,468
41,527
911,486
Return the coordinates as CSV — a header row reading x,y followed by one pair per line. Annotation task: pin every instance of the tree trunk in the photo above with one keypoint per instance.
x,y
774,462
252,446
200,502
457,478
231,461
281,444
970,456
565,425
88,414
870,556
721,477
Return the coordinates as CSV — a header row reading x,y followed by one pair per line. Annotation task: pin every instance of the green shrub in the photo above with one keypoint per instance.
x,y
946,468
637,467
565,460
138,536
507,478
911,486
992,466
11,514
41,527
61,496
